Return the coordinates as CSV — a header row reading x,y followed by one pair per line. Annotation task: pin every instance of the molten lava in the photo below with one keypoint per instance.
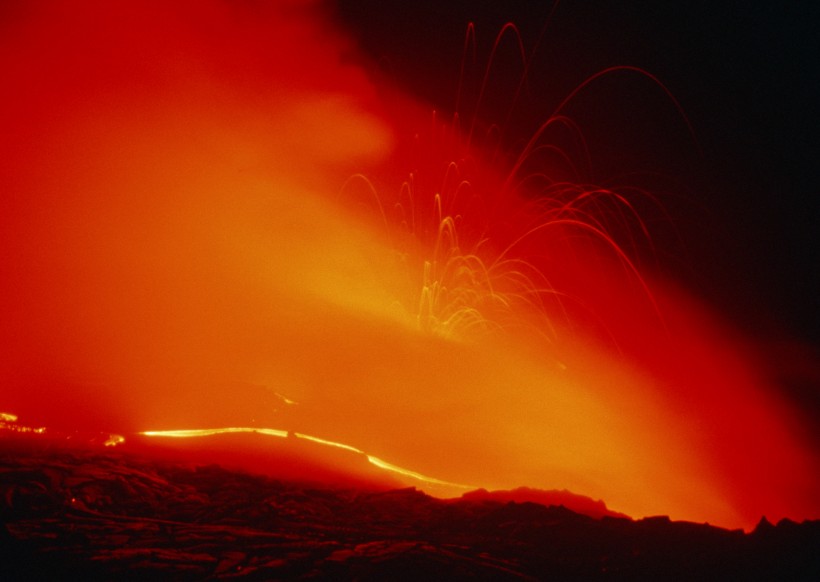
x,y
183,243
195,433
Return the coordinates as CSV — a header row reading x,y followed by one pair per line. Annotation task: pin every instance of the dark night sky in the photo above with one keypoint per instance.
x,y
747,76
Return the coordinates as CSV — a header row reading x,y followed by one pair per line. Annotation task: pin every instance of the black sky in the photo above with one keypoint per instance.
x,y
747,76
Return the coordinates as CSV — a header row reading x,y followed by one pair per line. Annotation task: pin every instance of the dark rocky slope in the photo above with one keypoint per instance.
x,y
92,513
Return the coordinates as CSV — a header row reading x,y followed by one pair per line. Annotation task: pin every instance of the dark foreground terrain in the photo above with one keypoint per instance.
x,y
94,513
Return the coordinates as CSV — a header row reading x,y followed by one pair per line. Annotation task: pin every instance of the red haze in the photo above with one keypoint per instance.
x,y
174,251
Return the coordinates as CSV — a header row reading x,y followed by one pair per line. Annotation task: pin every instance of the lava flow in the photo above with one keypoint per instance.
x,y
382,464
183,243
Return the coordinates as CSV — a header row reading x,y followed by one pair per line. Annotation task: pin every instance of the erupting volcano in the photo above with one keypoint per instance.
x,y
233,224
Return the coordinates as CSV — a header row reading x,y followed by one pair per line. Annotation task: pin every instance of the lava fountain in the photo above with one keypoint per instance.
x,y
184,248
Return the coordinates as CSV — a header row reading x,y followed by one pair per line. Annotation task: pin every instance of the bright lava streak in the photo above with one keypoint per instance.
x,y
194,433
390,467
329,443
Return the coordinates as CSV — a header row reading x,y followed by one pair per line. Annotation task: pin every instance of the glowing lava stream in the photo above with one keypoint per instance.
x,y
203,432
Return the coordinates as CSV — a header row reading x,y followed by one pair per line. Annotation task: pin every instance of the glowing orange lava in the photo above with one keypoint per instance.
x,y
195,433
182,244
9,424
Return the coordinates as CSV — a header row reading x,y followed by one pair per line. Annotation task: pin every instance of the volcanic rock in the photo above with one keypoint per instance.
x,y
113,514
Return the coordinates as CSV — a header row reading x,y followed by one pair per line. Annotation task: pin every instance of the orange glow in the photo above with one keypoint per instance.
x,y
440,487
114,440
183,245
9,423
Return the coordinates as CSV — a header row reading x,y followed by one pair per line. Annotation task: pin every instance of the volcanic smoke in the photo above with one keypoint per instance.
x,y
215,215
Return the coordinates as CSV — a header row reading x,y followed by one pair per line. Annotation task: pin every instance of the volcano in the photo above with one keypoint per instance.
x,y
294,273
